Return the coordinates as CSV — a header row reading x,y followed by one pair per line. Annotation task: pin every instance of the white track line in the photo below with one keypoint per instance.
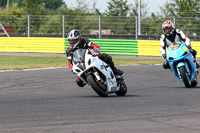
x,y
35,69
51,68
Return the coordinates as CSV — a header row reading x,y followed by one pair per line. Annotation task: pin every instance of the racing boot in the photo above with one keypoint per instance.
x,y
197,64
79,82
117,71
194,53
166,64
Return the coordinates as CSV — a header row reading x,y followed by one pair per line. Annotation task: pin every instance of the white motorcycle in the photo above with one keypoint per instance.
x,y
97,74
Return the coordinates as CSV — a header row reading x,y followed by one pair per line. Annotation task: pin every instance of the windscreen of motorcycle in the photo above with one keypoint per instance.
x,y
79,58
175,45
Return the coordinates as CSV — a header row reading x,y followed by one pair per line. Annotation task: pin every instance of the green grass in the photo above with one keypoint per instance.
x,y
26,62
133,61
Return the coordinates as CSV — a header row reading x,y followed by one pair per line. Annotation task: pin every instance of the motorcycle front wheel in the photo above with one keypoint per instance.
x,y
185,76
95,86
194,83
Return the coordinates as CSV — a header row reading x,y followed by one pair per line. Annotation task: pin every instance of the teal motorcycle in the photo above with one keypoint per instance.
x,y
183,64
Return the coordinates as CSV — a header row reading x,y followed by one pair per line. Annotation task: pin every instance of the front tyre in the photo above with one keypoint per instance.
x,y
95,86
185,76
194,83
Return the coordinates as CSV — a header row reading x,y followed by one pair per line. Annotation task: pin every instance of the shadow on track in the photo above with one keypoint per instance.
x,y
110,96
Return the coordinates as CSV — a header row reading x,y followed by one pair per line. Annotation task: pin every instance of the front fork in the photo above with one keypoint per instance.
x,y
180,64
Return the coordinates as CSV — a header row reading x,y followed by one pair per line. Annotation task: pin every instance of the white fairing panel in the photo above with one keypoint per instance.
x,y
105,69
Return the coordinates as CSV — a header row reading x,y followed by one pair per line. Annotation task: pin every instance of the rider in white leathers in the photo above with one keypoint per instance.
x,y
76,41
170,35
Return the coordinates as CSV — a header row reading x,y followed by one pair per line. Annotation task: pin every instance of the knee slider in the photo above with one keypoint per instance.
x,y
166,65
80,83
193,52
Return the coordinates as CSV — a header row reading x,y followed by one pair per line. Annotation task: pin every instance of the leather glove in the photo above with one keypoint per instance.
x,y
164,56
189,47
73,71
95,52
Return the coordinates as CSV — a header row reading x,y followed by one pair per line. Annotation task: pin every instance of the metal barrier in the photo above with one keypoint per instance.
x,y
115,46
195,46
148,48
109,46
33,44
152,48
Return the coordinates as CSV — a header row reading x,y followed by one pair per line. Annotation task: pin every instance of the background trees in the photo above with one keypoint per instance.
x,y
117,8
118,17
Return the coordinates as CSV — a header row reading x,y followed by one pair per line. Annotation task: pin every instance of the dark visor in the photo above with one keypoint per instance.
x,y
74,41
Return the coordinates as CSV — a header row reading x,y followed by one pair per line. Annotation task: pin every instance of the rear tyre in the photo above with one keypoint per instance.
x,y
123,90
95,86
185,76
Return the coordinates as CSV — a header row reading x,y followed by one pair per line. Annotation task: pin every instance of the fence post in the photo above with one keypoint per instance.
x,y
174,18
139,18
29,20
136,24
99,23
63,34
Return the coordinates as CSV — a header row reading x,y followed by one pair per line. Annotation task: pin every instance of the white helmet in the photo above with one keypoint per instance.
x,y
74,38
168,27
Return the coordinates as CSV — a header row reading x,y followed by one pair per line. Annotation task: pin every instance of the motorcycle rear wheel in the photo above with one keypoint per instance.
x,y
95,86
185,76
122,91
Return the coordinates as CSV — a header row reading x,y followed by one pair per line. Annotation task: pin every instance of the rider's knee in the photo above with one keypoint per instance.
x,y
80,83
194,52
106,57
166,65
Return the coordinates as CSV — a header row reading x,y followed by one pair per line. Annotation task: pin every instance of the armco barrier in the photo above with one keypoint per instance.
x,y
196,46
115,46
152,47
148,48
109,46
33,44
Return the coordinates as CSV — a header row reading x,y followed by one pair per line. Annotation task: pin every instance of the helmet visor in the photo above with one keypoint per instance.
x,y
167,29
73,41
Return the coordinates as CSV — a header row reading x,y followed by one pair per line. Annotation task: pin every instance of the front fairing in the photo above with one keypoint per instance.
x,y
101,66
177,51
79,59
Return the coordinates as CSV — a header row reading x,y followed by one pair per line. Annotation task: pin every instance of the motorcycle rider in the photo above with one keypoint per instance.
x,y
76,41
170,35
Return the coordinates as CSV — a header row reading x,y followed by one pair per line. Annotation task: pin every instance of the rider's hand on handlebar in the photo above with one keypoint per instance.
x,y
72,71
164,56
95,52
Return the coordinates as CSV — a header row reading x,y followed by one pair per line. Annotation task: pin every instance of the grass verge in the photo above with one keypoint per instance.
x,y
27,62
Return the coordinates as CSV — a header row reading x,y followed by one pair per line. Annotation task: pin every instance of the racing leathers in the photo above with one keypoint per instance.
x,y
166,41
86,43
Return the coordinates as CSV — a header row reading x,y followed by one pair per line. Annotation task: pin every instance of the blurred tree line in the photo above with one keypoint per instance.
x,y
46,16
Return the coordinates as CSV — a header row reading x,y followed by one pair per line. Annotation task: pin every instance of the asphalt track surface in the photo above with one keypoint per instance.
x,y
49,101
